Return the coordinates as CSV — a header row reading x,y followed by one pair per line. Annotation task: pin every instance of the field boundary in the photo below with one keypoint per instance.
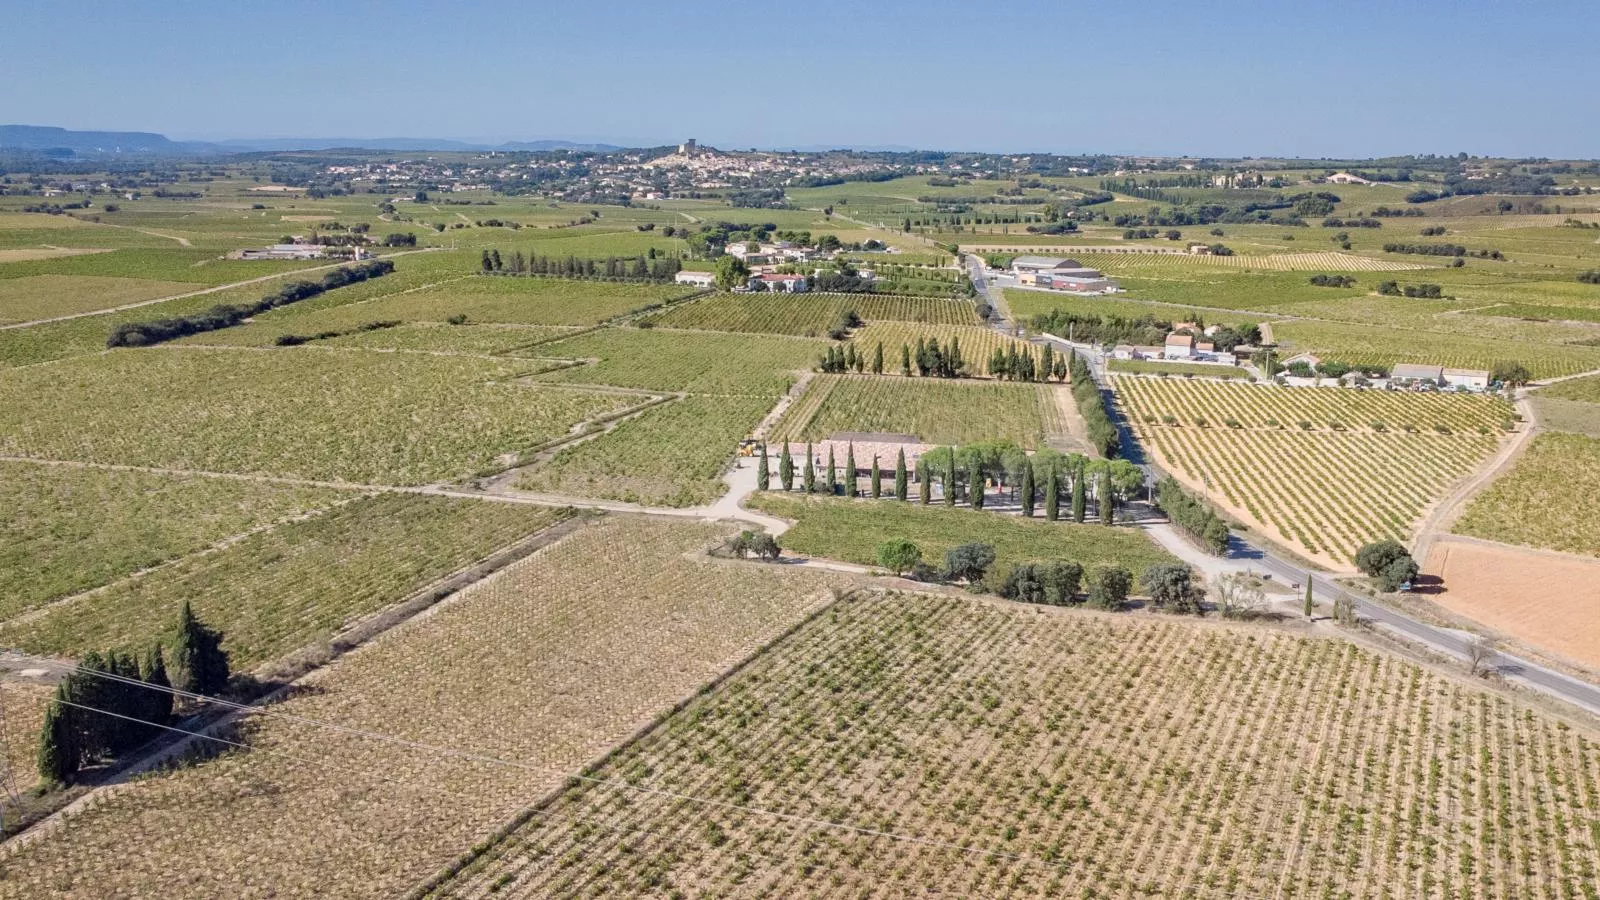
x,y
299,665
833,598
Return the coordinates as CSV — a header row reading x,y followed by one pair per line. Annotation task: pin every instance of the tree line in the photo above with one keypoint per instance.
x,y
1170,586
1334,281
1042,480
143,334
1102,432
652,266
112,703
1192,517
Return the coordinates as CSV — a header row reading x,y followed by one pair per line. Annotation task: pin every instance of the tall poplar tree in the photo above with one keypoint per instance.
x,y
975,483
1107,505
877,478
877,359
850,471
1026,489
900,476
763,477
1080,502
924,484
1052,498
786,468
811,470
833,473
950,480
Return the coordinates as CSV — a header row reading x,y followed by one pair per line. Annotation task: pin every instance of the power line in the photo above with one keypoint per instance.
x,y
804,821
571,776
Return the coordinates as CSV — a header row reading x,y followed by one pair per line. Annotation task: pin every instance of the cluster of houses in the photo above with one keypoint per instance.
x,y
1060,274
1410,376
763,259
1187,343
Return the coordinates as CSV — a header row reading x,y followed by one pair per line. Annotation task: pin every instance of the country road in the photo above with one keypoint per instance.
x,y
1244,555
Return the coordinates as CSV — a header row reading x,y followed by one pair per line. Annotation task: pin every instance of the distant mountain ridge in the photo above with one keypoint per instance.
x,y
45,137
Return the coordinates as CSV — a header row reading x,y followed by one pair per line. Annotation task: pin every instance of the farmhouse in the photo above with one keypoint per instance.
x,y
1476,379
1045,264
1412,373
282,251
1179,346
698,279
774,283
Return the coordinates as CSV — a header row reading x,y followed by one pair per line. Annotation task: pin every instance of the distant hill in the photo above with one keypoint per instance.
x,y
42,137
89,143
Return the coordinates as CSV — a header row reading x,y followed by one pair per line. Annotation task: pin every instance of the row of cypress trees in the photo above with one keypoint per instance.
x,y
950,479
112,703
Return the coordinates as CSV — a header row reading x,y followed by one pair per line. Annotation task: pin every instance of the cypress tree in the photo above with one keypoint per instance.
x,y
975,483
763,477
1026,489
924,484
850,471
199,664
56,761
905,359
877,359
1052,498
833,473
900,476
877,478
1310,605
811,470
153,671
786,468
1079,502
950,480
1106,501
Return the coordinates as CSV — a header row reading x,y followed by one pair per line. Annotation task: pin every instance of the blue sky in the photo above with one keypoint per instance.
x,y
1220,79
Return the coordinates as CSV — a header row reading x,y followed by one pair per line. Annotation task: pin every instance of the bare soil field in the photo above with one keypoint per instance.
x,y
485,703
1546,599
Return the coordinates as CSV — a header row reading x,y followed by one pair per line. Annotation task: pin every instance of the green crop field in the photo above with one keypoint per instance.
x,y
809,315
69,529
1386,346
937,410
1545,500
1582,390
76,337
1003,751
509,340
696,361
483,299
44,296
353,416
671,455
977,343
1324,470
279,590
851,530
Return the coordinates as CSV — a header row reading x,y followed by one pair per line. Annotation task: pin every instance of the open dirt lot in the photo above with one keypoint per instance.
x,y
1547,599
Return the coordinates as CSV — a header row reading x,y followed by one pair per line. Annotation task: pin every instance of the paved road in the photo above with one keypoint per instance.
x,y
1243,554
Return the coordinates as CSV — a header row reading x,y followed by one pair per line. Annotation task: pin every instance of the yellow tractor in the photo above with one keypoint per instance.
x,y
749,446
